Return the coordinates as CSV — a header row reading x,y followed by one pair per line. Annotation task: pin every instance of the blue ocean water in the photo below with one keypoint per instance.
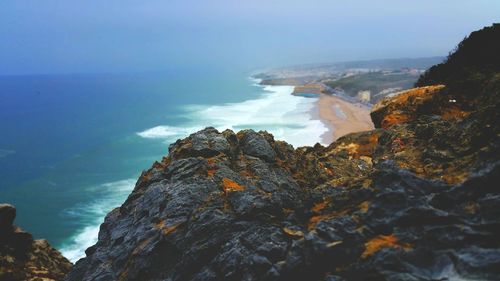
x,y
72,146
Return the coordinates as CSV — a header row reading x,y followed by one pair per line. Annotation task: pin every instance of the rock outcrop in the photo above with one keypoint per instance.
x,y
22,258
415,199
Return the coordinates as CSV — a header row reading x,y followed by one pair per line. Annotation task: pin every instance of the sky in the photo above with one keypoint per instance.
x,y
115,36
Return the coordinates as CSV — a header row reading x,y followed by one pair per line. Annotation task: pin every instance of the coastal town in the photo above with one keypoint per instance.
x,y
346,92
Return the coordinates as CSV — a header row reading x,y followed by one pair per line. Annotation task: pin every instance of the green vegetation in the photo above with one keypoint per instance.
x,y
473,67
374,82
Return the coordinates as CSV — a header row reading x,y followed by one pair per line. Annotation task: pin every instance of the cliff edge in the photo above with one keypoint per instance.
x,y
415,199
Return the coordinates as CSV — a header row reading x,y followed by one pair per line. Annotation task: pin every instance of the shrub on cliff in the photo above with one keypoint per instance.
x,y
471,66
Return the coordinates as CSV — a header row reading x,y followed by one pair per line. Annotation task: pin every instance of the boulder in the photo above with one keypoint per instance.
x,y
22,258
7,216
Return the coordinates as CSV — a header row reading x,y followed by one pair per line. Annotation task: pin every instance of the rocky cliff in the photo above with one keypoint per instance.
x,y
415,199
22,258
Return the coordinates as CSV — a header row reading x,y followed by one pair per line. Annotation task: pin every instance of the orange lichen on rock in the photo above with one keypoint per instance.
x,y
418,93
356,145
166,230
373,139
383,241
229,186
314,220
159,165
351,148
367,145
293,233
454,178
411,95
211,161
211,172
402,107
367,183
171,229
145,176
165,161
454,113
160,224
393,119
212,169
319,206
364,206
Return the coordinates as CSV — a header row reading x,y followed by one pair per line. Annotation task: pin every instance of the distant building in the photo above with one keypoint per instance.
x,y
364,96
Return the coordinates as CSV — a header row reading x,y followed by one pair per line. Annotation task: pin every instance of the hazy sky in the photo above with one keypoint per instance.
x,y
127,35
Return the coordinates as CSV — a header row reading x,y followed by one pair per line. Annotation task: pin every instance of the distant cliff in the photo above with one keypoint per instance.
x,y
415,199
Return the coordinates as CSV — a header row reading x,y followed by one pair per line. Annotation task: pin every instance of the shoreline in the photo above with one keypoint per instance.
x,y
342,117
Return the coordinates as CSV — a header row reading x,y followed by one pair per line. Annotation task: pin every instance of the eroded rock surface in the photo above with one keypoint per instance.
x,y
306,214
22,258
415,199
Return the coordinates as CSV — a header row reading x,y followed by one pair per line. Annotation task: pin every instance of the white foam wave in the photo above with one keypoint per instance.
x,y
255,81
91,215
286,116
162,132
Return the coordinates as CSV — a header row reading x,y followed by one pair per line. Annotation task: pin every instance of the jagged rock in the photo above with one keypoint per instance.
x,y
7,216
256,145
22,258
416,199
406,106
235,216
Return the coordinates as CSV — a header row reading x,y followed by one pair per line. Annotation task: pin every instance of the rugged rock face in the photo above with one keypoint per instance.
x,y
415,199
246,207
22,258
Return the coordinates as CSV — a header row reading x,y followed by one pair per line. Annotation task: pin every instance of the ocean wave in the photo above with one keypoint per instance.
x,y
286,116
255,81
161,132
91,215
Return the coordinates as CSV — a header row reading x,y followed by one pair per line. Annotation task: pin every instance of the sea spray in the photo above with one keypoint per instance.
x,y
286,116
108,196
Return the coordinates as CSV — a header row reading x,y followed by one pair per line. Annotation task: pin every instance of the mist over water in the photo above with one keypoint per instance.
x,y
129,36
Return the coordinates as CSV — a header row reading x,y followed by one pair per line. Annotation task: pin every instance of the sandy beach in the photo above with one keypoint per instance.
x,y
342,117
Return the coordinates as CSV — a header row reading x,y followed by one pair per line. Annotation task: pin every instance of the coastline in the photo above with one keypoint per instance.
x,y
342,117
339,116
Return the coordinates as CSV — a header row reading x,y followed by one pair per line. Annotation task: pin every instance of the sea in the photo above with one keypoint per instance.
x,y
72,146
